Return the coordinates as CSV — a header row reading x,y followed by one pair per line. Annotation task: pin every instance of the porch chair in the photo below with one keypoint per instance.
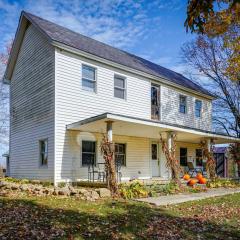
x,y
92,172
192,170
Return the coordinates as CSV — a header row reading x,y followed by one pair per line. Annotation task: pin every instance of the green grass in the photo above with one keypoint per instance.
x,y
25,217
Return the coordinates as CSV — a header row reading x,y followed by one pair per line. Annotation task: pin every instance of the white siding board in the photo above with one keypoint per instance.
x,y
32,107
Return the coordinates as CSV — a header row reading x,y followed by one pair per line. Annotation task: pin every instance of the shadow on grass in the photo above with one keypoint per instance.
x,y
26,219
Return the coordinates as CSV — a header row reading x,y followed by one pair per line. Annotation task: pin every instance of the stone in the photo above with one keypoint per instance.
x,y
35,181
82,191
3,184
24,187
72,190
103,192
94,195
14,186
64,192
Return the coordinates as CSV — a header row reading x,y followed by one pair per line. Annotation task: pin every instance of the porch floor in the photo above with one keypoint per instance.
x,y
180,198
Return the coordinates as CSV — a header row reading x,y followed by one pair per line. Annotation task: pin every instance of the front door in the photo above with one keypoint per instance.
x,y
155,102
155,160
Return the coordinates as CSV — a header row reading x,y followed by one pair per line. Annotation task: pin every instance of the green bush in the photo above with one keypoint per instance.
x,y
165,189
221,182
134,189
90,184
62,184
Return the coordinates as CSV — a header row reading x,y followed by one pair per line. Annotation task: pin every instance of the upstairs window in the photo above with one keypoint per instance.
x,y
88,78
198,108
119,87
183,157
183,104
43,147
120,154
88,153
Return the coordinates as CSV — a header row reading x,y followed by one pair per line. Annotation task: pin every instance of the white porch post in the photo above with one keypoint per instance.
x,y
209,144
170,136
109,131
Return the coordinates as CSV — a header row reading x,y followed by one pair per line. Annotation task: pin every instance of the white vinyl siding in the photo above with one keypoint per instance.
x,y
32,107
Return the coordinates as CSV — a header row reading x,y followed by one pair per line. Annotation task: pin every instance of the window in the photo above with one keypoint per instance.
x,y
183,104
199,157
88,153
198,108
120,153
119,87
88,78
43,147
183,157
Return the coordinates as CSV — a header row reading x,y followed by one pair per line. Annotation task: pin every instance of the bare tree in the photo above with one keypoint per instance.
x,y
210,57
4,96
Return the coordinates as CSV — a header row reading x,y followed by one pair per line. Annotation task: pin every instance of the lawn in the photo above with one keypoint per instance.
x,y
28,217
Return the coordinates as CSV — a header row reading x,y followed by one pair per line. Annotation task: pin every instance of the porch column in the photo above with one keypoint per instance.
x,y
209,144
109,131
170,136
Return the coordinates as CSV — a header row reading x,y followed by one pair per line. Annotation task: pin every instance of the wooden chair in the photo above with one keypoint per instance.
x,y
192,170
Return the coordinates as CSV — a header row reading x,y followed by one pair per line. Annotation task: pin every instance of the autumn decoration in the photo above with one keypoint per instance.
x,y
199,176
210,164
202,180
192,182
172,162
107,150
186,177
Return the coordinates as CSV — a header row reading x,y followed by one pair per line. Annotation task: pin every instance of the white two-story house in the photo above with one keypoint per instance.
x,y
67,90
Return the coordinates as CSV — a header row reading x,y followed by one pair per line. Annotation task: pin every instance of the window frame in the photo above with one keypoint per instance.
x,y
90,80
95,153
41,165
183,96
125,154
183,156
196,110
197,149
119,88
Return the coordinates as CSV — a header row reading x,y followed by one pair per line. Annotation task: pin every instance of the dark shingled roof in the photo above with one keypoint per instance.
x,y
89,45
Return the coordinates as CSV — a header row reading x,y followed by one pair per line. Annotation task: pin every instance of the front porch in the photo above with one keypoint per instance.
x,y
142,157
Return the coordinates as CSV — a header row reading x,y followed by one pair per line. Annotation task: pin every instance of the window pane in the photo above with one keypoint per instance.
x,y
120,154
88,85
183,104
182,109
183,156
88,146
154,152
43,152
88,72
198,108
88,158
199,157
119,93
119,82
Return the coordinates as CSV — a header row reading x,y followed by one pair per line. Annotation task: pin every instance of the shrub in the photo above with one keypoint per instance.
x,y
218,182
62,184
90,184
134,189
46,183
165,189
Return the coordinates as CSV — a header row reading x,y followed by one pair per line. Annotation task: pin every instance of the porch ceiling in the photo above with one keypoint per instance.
x,y
130,126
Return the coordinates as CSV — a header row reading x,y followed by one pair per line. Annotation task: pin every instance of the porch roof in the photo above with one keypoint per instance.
x,y
131,126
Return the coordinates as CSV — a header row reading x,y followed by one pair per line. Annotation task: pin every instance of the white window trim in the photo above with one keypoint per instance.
x,y
125,88
181,95
39,153
81,152
95,81
200,109
125,166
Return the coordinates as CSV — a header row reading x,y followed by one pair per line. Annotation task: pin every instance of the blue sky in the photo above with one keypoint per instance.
x,y
151,29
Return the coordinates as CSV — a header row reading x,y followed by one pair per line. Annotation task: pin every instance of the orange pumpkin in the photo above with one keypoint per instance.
x,y
202,180
199,176
186,177
192,182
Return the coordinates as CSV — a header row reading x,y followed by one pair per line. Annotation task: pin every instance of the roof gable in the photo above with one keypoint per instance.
x,y
77,41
